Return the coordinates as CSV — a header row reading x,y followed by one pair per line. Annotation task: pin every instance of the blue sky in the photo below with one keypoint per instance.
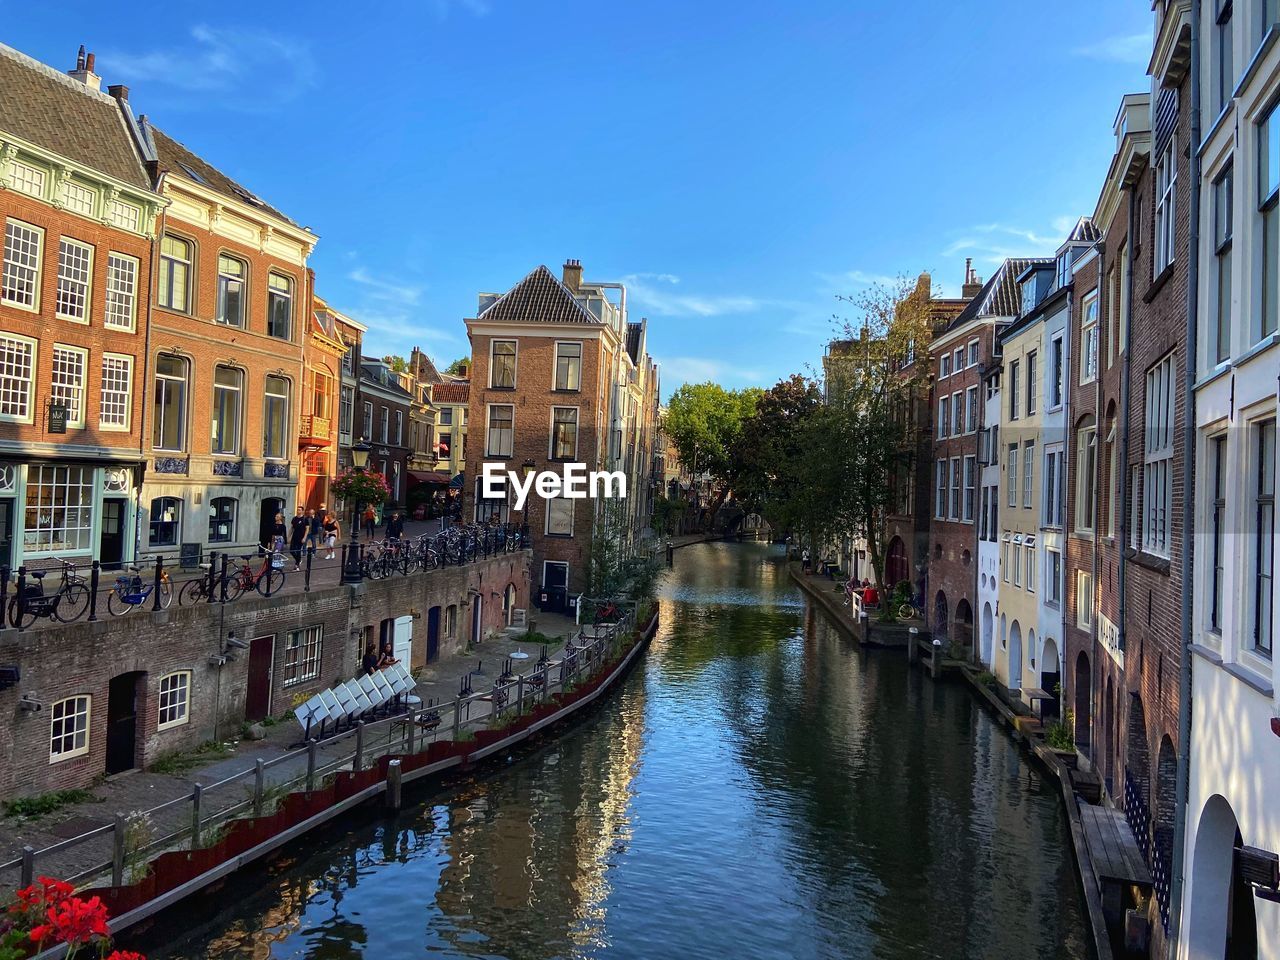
x,y
738,164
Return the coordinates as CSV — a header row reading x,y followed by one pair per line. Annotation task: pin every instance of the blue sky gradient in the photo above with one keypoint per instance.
x,y
738,164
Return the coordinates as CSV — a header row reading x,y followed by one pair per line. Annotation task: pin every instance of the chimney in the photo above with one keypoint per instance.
x,y
972,282
121,93
84,71
573,275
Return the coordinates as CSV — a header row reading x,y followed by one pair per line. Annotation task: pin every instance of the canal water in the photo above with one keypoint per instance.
x,y
759,787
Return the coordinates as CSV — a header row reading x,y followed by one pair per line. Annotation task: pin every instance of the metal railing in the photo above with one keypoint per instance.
x,y
192,820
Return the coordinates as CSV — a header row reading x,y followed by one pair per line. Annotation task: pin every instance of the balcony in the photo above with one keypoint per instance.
x,y
314,431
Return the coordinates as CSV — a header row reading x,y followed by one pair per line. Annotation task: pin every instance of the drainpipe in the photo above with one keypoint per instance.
x,y
1188,496
1123,492
145,380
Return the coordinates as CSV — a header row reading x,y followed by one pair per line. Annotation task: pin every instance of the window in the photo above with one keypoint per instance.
x,y
1053,577
1264,454
1065,261
1166,196
174,286
1015,388
59,508
1086,464
1222,198
222,520
944,416
302,655
450,620
1089,338
79,199
384,423
1135,506
1084,599
1031,568
1028,472
125,215
367,432
568,366
1015,557
17,362
970,486
230,306
275,419
1157,473
225,436
494,508
955,489
1031,383
75,270
399,434
1004,557
1224,77
67,381
499,439
944,366
346,412
973,353
502,364
1053,488
27,179
20,279
564,433
168,430
166,518
446,416
1122,318
122,292
115,405
1055,372
69,728
1218,520
957,414
1270,16
559,517
971,410
395,480
1113,477
957,360
174,700
940,490
1268,190
279,307
1012,467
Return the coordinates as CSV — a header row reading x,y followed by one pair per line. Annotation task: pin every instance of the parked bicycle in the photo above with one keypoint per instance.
x,y
66,604
268,579
131,592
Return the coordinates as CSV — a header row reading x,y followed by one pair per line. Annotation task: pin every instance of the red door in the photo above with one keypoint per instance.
x,y
257,703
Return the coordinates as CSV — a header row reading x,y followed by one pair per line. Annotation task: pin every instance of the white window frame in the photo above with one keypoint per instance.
x,y
970,487
173,696
29,267
66,389
1015,379
10,382
1011,468
27,178
1165,252
957,360
1032,357
940,489
75,280
1031,567
551,434
1157,468
1086,492
1028,474
366,420
1053,577
1089,337
546,528
489,450
956,490
109,392
555,365
306,644
971,410
121,292
957,414
126,215
944,417
944,366
79,198
1056,383
1084,591
515,363
1262,534
80,712
974,351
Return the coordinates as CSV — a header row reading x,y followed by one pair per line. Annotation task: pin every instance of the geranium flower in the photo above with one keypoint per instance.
x,y
124,955
73,922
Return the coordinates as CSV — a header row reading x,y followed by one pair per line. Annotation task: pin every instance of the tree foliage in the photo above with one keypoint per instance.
x,y
455,368
705,423
397,363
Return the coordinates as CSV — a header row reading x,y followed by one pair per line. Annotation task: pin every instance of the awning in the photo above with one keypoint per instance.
x,y
434,477
457,482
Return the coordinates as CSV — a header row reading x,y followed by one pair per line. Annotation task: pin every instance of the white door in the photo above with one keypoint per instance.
x,y
402,640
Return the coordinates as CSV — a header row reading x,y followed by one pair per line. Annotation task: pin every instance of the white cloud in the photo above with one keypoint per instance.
x,y
650,291
994,242
1134,48
376,288
256,71
677,370
841,282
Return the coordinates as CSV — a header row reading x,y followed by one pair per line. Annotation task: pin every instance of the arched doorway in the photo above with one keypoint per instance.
x,y
1015,656
962,629
988,628
895,567
1031,650
1162,836
267,518
1083,701
1137,775
1051,674
1220,919
940,615
509,604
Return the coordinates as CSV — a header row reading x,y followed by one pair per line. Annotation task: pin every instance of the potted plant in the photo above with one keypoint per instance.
x,y
1060,738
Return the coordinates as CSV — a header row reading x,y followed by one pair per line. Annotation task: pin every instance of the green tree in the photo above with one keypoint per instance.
x,y
396,362
455,368
704,422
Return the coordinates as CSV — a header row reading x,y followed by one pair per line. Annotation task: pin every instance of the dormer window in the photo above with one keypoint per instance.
x,y
1065,259
1028,295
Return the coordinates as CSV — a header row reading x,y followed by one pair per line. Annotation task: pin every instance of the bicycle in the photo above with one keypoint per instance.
x,y
66,605
129,592
267,581
912,609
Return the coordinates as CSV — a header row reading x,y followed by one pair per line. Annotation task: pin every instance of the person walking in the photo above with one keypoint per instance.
x,y
297,536
315,530
395,526
278,533
331,532
370,519
804,560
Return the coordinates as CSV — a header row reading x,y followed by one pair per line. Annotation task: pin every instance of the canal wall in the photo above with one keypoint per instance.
x,y
173,876
867,631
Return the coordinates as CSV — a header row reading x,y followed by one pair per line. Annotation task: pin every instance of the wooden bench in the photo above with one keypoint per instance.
x,y
1115,858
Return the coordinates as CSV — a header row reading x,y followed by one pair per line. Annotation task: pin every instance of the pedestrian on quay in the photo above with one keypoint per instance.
x,y
315,530
805,562
331,532
395,526
370,519
278,533
297,536
369,665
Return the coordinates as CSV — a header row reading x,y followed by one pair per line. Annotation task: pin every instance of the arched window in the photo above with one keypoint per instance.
x,y
222,520
166,521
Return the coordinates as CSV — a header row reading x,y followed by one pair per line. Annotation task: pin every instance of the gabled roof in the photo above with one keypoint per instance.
x,y
375,373
1084,232
538,298
451,393
999,296
177,160
62,115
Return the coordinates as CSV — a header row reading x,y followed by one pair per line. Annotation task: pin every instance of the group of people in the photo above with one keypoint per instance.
x,y
318,529
375,660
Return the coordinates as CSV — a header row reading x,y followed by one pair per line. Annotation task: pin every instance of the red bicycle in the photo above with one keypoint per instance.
x,y
267,580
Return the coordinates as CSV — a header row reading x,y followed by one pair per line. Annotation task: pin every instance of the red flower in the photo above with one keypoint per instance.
x,y
74,921
124,955
55,891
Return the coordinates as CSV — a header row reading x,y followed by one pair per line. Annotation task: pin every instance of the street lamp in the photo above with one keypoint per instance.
x,y
351,566
528,467
360,455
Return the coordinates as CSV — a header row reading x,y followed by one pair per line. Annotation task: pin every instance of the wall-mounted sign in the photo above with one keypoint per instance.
x,y
57,416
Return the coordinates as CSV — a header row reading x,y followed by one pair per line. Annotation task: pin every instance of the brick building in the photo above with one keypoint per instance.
x,y
78,217
323,352
384,407
228,327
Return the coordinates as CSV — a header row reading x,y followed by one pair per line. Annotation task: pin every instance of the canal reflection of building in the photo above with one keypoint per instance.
x,y
529,850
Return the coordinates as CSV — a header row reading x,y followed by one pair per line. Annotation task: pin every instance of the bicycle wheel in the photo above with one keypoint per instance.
x,y
117,606
73,604
235,587
270,582
166,594
193,592
906,612
26,620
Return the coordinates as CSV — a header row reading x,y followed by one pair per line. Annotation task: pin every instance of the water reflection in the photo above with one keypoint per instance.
x,y
759,788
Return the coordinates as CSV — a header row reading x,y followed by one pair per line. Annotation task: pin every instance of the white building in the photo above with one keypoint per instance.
x,y
1233,800
989,515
